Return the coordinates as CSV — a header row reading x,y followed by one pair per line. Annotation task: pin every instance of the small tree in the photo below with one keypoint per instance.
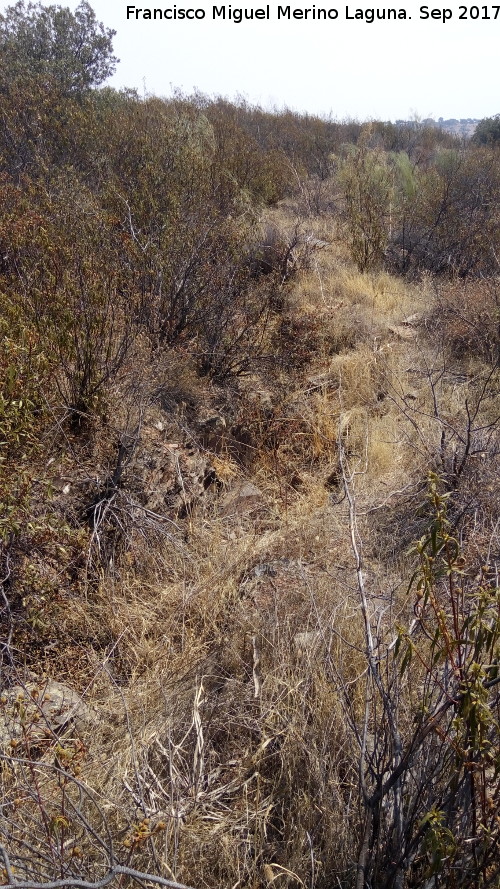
x,y
367,189
488,131
66,281
71,48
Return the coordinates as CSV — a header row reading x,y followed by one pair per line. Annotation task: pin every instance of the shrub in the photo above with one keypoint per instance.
x,y
66,282
367,191
447,218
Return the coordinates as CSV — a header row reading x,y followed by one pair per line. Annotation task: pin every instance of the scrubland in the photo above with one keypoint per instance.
x,y
249,530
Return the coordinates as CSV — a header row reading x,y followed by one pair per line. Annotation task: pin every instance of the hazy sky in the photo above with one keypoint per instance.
x,y
349,68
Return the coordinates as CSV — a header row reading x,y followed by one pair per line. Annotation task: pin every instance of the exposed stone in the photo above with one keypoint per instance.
x,y
41,710
410,320
263,569
211,431
169,477
242,500
403,332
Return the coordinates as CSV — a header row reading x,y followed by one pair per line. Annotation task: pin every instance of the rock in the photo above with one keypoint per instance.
x,y
403,332
169,479
263,569
212,431
212,422
410,320
40,711
244,499
317,243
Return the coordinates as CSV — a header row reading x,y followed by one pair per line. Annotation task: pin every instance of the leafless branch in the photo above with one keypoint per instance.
x,y
116,871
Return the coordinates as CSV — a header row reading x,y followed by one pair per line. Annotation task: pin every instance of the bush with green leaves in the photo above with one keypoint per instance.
x,y
72,49
430,761
488,131
23,382
66,281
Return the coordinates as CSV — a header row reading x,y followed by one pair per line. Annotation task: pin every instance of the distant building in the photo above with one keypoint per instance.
x,y
463,128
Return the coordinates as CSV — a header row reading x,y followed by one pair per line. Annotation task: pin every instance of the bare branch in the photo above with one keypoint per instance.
x,y
116,871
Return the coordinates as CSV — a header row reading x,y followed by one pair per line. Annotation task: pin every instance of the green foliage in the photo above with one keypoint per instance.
x,y
459,652
72,49
439,843
68,287
259,171
446,216
488,131
133,223
297,142
415,138
429,777
406,177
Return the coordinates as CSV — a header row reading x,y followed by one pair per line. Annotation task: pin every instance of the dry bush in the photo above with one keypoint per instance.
x,y
445,218
298,339
444,417
283,248
285,435
315,197
466,316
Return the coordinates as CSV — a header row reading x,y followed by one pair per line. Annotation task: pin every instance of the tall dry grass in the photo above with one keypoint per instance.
x,y
228,660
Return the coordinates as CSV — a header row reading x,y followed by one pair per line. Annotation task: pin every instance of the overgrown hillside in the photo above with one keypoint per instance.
x,y
249,500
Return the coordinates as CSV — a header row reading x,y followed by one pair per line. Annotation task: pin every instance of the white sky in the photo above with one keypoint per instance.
x,y
385,70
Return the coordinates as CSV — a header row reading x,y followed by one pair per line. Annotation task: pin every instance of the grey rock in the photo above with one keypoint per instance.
x,y
42,710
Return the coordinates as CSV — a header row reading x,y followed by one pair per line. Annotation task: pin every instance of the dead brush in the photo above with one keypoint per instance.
x,y
297,340
228,732
466,316
282,248
245,784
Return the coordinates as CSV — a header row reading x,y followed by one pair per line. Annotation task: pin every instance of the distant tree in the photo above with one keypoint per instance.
x,y
71,48
488,131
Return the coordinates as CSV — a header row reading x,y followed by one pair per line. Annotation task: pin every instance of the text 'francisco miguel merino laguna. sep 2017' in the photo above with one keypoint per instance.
x,y
313,13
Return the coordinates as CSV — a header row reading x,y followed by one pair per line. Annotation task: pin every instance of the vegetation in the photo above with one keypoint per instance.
x,y
71,49
488,130
249,510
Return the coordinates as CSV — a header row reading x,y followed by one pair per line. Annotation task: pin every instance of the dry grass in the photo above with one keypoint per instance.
x,y
222,651
213,660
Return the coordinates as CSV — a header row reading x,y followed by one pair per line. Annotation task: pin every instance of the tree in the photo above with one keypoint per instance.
x,y
488,131
71,48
